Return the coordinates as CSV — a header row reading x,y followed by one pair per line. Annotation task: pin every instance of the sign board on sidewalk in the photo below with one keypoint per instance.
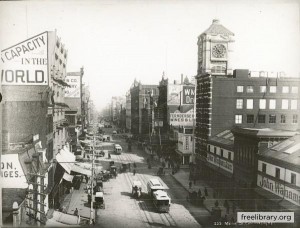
x,y
26,63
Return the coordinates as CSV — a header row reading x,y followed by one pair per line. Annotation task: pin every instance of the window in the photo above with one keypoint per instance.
x,y
215,150
293,178
294,89
249,103
222,153
238,119
263,89
261,118
208,147
272,118
272,89
293,104
262,103
239,103
229,156
272,104
285,89
264,167
250,118
284,104
277,173
240,89
283,119
249,89
295,118
218,69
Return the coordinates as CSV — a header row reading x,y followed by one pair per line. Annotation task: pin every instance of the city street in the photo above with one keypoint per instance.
x,y
122,210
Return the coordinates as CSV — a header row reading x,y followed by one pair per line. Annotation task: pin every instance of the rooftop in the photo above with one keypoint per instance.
x,y
216,28
287,151
225,138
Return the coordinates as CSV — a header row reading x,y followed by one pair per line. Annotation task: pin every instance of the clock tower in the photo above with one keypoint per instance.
x,y
214,50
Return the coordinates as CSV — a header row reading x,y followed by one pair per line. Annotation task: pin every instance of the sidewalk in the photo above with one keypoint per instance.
x,y
182,176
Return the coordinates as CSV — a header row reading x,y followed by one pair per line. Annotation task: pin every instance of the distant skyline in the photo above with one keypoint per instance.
x,y
118,41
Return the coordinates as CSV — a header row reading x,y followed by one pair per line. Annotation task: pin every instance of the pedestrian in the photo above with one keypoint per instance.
x,y
205,192
233,207
190,184
134,165
129,166
76,212
226,205
232,220
225,218
199,193
134,172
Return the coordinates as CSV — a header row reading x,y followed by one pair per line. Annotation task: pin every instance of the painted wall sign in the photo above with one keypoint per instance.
x,y
174,94
182,119
223,164
26,63
74,90
188,94
12,174
289,194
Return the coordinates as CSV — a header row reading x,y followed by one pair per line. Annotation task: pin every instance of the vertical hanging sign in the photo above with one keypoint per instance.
x,y
26,63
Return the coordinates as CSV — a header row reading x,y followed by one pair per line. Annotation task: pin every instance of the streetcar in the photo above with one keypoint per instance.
x,y
154,185
161,201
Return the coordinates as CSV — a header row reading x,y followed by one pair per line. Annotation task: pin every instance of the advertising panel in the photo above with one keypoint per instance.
x,y
174,94
182,119
277,188
74,90
12,173
188,94
223,164
26,63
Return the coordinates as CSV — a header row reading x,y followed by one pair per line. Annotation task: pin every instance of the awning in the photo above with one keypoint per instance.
x,y
64,219
68,177
66,159
81,170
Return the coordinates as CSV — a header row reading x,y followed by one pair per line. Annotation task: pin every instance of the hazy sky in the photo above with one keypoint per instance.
x,y
117,41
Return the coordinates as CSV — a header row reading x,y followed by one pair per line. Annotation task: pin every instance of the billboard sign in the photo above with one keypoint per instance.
x,y
26,63
12,173
182,119
174,94
188,95
74,90
279,189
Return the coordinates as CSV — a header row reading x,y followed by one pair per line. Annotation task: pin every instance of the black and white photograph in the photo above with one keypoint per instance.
x,y
150,114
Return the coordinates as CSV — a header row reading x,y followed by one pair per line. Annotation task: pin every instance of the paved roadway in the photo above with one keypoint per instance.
x,y
121,210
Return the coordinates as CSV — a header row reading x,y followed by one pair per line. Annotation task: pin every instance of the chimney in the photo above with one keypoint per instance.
x,y
181,79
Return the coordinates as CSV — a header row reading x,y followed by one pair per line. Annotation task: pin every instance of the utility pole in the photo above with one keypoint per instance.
x,y
92,181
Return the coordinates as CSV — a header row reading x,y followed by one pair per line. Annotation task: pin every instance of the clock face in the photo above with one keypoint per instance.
x,y
219,51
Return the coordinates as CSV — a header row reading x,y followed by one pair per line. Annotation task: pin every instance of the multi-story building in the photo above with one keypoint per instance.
x,y
33,116
128,112
141,95
248,144
245,99
278,178
258,108
175,109
73,98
